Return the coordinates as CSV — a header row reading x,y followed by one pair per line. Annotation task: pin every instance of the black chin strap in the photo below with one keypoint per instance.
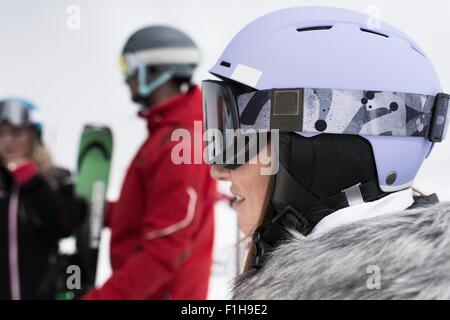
x,y
297,209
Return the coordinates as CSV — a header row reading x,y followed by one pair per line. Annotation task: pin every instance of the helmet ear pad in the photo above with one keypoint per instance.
x,y
327,164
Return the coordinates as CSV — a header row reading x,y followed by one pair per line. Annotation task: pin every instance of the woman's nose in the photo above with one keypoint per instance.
x,y
218,172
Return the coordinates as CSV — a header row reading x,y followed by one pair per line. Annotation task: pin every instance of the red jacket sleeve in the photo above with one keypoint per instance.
x,y
172,210
108,213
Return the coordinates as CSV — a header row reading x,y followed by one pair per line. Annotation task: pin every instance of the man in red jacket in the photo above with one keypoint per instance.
x,y
162,225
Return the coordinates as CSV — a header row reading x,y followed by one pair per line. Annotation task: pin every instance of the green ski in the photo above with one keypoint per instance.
x,y
94,161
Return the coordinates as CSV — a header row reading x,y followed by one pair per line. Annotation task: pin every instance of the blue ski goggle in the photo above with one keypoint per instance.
x,y
228,107
19,113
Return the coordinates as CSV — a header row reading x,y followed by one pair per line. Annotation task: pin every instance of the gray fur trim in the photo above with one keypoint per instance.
x,y
410,248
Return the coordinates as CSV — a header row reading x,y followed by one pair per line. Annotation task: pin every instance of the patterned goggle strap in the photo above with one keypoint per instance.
x,y
359,112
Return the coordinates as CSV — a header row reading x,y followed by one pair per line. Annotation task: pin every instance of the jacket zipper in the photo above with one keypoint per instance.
x,y
13,243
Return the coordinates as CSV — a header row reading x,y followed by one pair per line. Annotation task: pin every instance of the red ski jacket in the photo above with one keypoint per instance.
x,y
162,225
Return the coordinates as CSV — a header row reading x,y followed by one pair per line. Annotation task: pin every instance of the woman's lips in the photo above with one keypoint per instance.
x,y
237,200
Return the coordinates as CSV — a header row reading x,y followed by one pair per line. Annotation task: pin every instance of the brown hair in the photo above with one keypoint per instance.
x,y
41,156
266,214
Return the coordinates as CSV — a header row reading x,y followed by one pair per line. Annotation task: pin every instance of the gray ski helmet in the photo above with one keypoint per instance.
x,y
173,53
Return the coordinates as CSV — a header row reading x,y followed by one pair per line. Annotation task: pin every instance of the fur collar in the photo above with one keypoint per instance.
x,y
409,250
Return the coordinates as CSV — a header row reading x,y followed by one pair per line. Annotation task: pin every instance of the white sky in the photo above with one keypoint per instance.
x,y
74,75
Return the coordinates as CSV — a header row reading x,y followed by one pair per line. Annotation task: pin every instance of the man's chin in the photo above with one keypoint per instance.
x,y
136,99
140,100
145,102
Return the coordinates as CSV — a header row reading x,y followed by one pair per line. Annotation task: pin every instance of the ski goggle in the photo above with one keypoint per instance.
x,y
129,64
227,143
16,113
229,108
184,58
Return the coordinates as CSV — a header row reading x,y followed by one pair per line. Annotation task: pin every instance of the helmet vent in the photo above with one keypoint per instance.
x,y
225,64
374,32
314,28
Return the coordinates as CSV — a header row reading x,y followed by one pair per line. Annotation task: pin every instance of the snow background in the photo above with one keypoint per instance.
x,y
74,76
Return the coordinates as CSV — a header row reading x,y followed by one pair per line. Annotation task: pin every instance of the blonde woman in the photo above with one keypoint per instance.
x,y
37,206
357,111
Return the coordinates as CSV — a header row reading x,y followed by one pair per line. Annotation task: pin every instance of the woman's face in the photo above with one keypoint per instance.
x,y
15,143
249,188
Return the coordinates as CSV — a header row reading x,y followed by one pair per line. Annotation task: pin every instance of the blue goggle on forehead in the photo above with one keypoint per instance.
x,y
337,111
17,113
